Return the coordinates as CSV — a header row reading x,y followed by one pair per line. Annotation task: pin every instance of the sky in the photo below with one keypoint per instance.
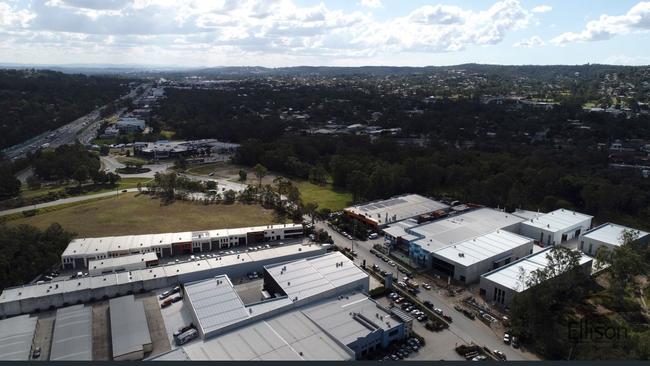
x,y
276,33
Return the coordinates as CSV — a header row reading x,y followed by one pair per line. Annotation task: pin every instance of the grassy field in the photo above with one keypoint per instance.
x,y
325,195
133,214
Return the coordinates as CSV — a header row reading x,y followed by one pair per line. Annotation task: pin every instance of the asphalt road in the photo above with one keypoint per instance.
x,y
463,328
64,201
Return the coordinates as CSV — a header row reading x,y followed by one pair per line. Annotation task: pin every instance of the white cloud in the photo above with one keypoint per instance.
x,y
608,26
533,41
198,30
371,3
541,9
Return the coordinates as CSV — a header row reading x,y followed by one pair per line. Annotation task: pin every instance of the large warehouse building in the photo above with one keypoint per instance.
x,y
467,260
378,214
431,237
80,251
73,335
608,236
556,227
129,329
52,295
318,312
16,337
499,286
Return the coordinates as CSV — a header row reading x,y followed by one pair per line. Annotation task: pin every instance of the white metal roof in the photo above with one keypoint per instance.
x,y
16,335
455,229
83,247
215,303
129,329
311,276
165,270
509,276
72,339
482,247
611,233
558,220
348,318
397,208
289,336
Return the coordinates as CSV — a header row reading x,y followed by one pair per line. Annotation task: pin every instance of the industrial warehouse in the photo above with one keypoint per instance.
x,y
316,301
500,285
81,251
317,310
51,295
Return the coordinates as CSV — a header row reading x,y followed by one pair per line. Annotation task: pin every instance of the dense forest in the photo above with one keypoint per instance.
x,y
28,252
37,101
495,155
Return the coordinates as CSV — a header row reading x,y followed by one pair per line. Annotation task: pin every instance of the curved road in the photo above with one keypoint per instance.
x,y
64,201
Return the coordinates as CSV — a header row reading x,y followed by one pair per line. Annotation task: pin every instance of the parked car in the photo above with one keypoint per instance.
x,y
426,286
438,311
500,355
428,304
166,303
177,299
165,294
506,338
515,342
37,352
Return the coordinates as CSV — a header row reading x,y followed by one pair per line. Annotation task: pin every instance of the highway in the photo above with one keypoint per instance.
x,y
463,328
83,129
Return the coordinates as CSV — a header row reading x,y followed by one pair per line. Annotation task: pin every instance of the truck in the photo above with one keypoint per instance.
x,y
186,337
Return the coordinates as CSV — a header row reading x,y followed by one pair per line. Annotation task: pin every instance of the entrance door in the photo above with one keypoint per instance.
x,y
563,238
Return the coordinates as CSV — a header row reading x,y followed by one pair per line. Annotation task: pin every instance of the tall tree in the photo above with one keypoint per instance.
x,y
260,172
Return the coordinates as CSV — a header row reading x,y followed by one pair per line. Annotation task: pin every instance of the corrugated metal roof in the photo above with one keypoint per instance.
x,y
558,220
215,303
311,276
289,336
16,336
350,317
482,247
397,208
509,276
611,233
72,339
129,329
439,234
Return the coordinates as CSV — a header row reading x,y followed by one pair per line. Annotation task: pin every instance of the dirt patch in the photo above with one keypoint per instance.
x,y
159,339
102,349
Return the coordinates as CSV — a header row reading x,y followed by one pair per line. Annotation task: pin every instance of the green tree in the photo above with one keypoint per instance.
x,y
242,175
9,184
260,172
